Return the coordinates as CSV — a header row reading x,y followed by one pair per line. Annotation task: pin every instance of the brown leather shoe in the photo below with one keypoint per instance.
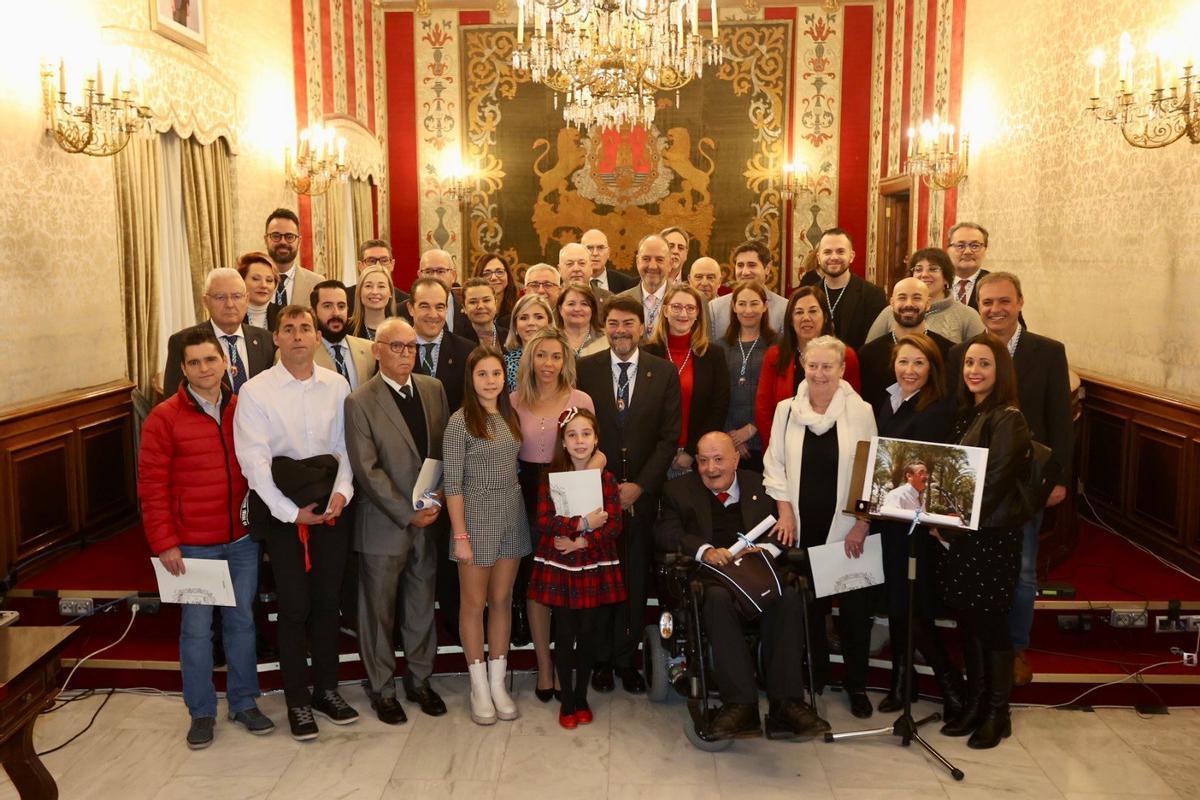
x,y
1022,669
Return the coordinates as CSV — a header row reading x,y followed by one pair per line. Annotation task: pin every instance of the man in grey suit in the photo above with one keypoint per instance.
x,y
394,422
654,268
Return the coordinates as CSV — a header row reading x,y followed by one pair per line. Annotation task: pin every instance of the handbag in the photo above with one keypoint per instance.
x,y
1041,478
751,579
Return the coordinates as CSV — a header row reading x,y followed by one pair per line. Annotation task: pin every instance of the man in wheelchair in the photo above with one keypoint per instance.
x,y
702,514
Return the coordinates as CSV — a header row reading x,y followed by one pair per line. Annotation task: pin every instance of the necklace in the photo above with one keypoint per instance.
x,y
833,304
492,336
686,358
745,358
586,341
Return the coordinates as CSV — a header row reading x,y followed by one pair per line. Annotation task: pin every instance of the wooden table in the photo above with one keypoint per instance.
x,y
29,662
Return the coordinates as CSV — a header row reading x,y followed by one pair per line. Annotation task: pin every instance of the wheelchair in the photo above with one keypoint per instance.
x,y
676,655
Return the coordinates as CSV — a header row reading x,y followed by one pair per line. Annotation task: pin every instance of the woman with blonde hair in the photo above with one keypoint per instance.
x,y
681,337
531,313
374,301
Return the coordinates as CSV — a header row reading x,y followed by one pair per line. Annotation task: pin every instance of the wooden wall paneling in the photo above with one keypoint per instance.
x,y
1103,466
44,497
107,481
1157,460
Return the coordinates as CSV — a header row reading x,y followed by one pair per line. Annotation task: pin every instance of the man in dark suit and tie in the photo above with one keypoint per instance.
x,y
439,264
967,248
248,350
442,354
1044,389
637,400
349,356
393,423
603,276
703,513
851,304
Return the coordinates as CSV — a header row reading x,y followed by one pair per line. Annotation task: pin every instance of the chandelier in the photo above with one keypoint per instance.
x,y
608,58
937,154
320,160
100,124
1153,115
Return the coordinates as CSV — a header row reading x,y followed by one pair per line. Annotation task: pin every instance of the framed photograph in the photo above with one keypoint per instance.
x,y
180,21
942,481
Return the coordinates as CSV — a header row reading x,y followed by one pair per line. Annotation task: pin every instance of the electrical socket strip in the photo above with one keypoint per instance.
x,y
1184,623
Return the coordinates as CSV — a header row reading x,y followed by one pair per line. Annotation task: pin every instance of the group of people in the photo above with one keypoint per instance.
x,y
297,420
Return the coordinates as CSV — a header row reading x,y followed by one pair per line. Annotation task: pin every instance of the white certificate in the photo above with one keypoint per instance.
x,y
429,480
576,493
834,572
204,582
755,532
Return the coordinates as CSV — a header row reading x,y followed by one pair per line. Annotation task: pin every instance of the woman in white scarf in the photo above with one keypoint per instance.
x,y
814,435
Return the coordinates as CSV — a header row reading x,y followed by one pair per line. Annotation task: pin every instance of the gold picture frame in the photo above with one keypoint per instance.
x,y
181,21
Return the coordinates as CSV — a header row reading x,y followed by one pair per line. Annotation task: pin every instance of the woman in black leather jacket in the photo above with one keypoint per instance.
x,y
981,568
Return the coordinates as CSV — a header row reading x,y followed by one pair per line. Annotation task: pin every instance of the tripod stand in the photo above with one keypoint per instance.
x,y
905,726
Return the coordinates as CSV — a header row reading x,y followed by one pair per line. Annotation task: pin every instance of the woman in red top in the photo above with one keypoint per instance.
x,y
576,570
681,337
803,321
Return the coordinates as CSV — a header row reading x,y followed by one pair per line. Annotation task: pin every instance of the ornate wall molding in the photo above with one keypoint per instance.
x,y
379,60
360,61
941,99
896,106
439,126
878,60
337,46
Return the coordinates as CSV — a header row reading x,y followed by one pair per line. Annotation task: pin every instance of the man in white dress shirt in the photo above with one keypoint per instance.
x,y
908,496
295,411
751,260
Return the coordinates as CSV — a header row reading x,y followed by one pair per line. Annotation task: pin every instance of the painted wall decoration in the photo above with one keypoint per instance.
x,y
543,184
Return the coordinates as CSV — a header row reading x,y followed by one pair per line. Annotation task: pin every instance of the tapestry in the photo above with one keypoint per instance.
x,y
709,164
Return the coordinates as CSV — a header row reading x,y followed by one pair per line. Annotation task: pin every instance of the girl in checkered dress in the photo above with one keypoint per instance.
x,y
576,570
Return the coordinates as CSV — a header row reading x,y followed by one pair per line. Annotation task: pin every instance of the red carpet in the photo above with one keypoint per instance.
x,y
1107,567
121,563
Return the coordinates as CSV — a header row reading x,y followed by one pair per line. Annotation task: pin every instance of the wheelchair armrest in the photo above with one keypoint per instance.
x,y
795,556
674,559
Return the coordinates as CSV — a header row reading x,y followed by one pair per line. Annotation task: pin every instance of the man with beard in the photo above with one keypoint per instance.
x,y
283,245
248,350
910,303
638,408
654,268
348,356
751,261
850,302
604,276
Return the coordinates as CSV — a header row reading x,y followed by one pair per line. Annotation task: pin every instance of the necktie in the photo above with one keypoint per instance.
x,y
406,392
722,497
623,388
237,370
339,361
281,291
427,358
651,313
595,282
962,290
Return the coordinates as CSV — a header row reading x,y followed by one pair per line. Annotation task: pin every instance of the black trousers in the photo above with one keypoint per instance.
x,y
782,641
854,629
577,631
309,604
636,551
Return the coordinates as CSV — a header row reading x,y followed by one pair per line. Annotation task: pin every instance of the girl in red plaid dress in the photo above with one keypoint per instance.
x,y
576,570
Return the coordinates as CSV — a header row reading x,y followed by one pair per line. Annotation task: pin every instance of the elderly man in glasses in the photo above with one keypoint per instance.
x,y
282,238
967,247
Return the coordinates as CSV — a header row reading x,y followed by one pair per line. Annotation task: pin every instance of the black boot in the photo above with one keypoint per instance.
x,y
996,723
972,713
949,680
894,699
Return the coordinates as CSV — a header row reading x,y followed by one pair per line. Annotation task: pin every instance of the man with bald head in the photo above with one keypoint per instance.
x,y
544,279
909,305
654,269
703,513
575,266
394,421
604,276
439,265
705,277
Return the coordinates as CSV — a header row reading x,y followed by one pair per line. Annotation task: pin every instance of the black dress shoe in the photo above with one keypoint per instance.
x,y
791,719
329,704
735,721
860,704
389,710
632,680
602,678
429,700
520,635
545,695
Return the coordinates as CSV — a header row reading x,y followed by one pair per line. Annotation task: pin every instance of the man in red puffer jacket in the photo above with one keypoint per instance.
x,y
192,492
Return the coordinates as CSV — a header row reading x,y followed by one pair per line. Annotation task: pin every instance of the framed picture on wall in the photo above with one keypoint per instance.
x,y
181,21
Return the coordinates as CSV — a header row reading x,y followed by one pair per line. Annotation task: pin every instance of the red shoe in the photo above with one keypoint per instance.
x,y
568,721
583,716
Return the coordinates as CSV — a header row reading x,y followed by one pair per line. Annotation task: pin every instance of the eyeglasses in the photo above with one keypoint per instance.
x,y
401,348
378,261
540,285
236,297
974,247
680,308
290,238
492,273
436,272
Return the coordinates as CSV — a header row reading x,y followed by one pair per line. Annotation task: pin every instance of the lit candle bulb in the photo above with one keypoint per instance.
x,y
341,152
912,142
520,21
62,76
1126,62
714,18
1097,63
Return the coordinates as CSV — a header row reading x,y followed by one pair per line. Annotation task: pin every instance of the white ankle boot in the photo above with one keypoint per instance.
x,y
505,707
482,710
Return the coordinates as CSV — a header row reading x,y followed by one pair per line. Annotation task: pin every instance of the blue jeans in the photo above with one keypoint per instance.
x,y
1020,616
237,630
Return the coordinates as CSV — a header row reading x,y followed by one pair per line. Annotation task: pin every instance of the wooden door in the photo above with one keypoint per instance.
x,y
895,226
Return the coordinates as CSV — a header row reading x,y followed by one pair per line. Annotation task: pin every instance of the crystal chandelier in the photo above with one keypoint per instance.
x,y
937,154
608,58
1157,113
100,124
320,160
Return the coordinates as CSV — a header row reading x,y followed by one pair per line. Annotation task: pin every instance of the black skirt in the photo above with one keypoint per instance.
x,y
980,571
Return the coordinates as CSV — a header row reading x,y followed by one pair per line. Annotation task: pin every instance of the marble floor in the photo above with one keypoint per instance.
x,y
634,749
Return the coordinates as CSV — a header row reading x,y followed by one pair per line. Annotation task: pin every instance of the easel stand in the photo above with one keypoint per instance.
x,y
905,726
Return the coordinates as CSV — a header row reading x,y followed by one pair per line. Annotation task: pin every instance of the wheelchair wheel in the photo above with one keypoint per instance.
x,y
654,665
689,730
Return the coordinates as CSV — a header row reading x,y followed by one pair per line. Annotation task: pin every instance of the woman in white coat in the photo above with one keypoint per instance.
x,y
806,468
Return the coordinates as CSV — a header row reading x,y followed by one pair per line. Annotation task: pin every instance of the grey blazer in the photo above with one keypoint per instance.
x,y
384,458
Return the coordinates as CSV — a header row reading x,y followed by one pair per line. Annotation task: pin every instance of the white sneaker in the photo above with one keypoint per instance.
x,y
505,707
482,710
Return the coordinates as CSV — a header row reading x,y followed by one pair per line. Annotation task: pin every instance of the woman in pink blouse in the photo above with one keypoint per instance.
x,y
545,388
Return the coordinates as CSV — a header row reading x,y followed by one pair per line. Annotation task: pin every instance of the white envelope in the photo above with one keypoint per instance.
x,y
205,582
